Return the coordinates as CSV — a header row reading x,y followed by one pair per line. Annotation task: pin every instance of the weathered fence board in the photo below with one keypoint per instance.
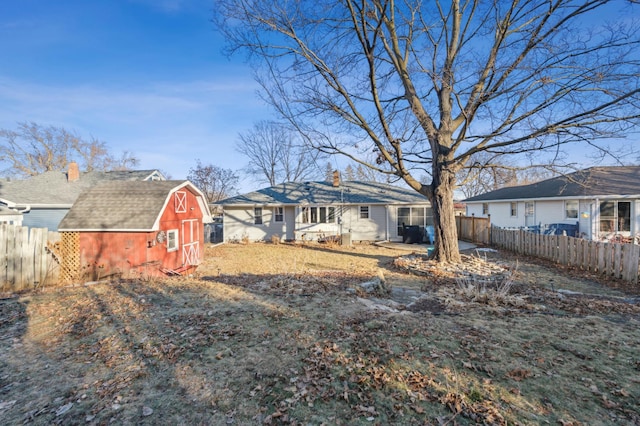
x,y
474,229
25,261
610,259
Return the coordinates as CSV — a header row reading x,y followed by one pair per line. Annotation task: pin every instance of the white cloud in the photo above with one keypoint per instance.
x,y
167,125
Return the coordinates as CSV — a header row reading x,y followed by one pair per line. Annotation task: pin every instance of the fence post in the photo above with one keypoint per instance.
x,y
473,227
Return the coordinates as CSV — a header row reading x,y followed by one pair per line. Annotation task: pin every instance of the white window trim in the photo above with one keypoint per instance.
x,y
360,212
306,214
181,201
566,216
171,248
511,209
261,216
275,214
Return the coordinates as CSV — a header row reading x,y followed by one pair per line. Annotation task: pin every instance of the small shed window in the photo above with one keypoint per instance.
x,y
485,208
278,214
514,209
364,212
257,215
172,240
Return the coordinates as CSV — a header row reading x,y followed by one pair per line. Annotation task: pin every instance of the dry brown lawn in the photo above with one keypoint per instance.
x,y
276,334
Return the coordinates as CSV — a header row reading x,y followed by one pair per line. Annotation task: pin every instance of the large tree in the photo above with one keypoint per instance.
x,y
215,182
428,85
34,148
277,154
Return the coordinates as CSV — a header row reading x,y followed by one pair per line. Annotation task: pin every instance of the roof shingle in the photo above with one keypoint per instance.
x,y
53,188
350,192
120,205
592,182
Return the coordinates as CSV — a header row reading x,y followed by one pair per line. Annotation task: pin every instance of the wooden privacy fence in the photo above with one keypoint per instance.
x,y
474,229
610,259
26,257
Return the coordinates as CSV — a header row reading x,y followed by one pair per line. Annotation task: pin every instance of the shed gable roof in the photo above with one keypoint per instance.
x,y
350,192
122,206
591,182
53,187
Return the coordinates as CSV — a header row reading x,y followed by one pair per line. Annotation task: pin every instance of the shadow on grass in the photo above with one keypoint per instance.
x,y
294,348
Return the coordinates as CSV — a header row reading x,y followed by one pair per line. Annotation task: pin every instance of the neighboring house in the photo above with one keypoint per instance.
x,y
10,216
44,199
362,211
602,202
136,228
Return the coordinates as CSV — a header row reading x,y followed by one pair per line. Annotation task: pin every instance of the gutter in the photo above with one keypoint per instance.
x,y
25,208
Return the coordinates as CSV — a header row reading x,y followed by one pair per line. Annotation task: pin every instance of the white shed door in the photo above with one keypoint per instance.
x,y
190,245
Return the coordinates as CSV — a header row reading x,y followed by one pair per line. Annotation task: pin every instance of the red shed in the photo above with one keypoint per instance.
x,y
138,228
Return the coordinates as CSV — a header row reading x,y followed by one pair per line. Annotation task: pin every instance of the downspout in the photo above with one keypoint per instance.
x,y
386,225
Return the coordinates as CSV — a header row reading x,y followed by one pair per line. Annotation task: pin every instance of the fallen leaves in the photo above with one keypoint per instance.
x,y
294,347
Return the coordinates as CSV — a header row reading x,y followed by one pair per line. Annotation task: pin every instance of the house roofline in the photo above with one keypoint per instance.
x,y
574,197
408,203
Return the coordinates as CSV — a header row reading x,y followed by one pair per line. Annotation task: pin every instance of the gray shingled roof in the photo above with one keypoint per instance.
x,y
350,192
52,188
592,182
120,206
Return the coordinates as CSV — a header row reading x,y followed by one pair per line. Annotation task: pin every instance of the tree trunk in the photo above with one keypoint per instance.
x,y
446,244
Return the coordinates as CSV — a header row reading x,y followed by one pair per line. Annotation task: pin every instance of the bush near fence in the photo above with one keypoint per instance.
x,y
27,258
608,259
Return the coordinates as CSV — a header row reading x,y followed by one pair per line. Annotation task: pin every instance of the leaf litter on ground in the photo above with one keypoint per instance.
x,y
270,334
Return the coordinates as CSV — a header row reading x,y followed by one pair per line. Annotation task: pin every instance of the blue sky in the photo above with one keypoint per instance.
x,y
146,76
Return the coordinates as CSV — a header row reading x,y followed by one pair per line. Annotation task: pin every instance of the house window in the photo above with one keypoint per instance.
x,y
615,216
278,214
514,209
571,209
181,201
529,208
257,215
172,240
331,214
364,212
318,215
485,208
411,216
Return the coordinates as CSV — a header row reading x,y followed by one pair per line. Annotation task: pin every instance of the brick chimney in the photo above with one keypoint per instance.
x,y
336,178
73,174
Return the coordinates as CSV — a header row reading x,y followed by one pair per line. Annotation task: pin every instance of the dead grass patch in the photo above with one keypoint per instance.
x,y
269,334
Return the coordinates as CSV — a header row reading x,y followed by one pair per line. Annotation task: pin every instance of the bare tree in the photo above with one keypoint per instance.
x,y
215,182
32,149
277,154
428,85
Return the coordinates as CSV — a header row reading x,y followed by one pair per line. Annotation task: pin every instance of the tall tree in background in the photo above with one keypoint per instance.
x,y
277,154
429,84
32,149
215,182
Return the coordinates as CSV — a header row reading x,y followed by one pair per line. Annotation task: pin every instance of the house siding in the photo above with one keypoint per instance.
x,y
545,213
44,218
238,224
372,228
